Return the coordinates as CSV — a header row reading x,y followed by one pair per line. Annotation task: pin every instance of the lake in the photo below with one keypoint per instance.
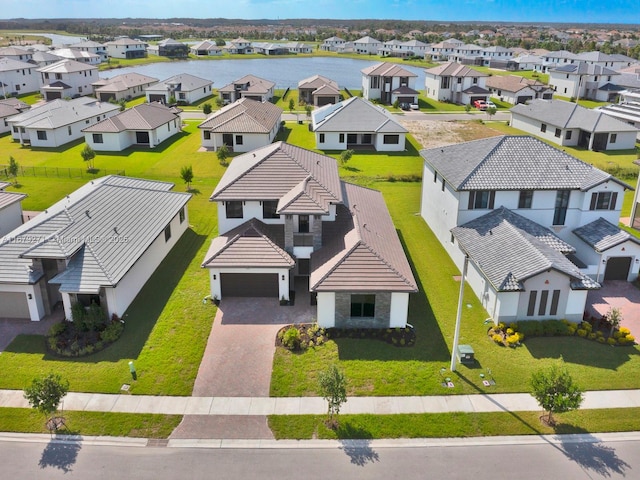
x,y
285,72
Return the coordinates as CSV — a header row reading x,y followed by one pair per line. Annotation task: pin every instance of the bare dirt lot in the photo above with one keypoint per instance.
x,y
436,133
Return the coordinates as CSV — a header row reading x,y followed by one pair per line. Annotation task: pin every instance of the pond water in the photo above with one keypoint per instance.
x,y
285,72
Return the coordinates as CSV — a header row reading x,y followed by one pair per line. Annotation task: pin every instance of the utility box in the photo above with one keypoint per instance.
x,y
466,354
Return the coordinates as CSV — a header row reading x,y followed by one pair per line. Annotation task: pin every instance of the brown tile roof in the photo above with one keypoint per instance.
x,y
511,83
270,172
146,116
362,251
316,82
244,116
387,69
308,197
252,244
455,70
257,85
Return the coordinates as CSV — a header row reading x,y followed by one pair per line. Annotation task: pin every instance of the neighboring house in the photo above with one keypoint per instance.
x,y
346,47
266,48
146,125
67,79
331,44
42,59
551,60
389,82
318,90
628,110
298,47
242,126
169,48
239,46
58,122
456,83
441,51
583,80
614,62
567,123
249,86
8,108
184,88
16,53
526,62
92,47
100,244
78,55
538,226
467,54
126,48
515,89
286,218
367,46
396,48
206,48
357,123
10,209
18,77
122,87
496,56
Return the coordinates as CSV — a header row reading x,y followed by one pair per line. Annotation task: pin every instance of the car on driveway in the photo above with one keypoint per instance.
x,y
480,104
405,106
489,105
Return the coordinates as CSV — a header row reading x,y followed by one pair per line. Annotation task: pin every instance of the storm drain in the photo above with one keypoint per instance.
x,y
157,442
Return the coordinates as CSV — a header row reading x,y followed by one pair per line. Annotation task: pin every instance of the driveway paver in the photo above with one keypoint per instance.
x,y
617,294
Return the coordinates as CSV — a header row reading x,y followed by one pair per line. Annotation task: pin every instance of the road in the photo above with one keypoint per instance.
x,y
616,456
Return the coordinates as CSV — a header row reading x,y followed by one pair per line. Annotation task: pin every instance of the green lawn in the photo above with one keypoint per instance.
x,y
92,423
530,74
582,102
447,425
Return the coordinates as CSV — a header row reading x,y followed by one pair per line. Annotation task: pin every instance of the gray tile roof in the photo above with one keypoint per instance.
x,y
183,83
58,113
571,115
361,249
257,85
123,82
67,66
125,41
9,65
583,68
354,115
80,228
146,116
452,69
603,235
252,244
508,249
244,116
513,163
386,69
316,82
270,172
9,198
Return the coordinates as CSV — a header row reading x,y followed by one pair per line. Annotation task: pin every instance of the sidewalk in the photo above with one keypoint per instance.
x,y
97,402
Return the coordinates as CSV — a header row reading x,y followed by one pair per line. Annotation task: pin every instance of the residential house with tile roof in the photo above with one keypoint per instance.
x,y
242,126
515,89
205,48
10,208
92,47
567,123
249,86
367,45
8,108
42,59
356,123
18,77
16,53
169,48
287,221
456,83
628,110
331,44
238,46
184,88
144,125
99,244
126,48
539,227
441,51
122,87
78,55
318,90
67,79
58,122
584,80
389,82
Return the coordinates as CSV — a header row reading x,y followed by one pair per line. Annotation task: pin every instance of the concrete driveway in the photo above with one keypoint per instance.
x,y
617,294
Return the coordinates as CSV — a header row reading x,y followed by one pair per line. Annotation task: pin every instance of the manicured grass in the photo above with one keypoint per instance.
x,y
92,423
431,105
582,102
447,425
30,98
530,74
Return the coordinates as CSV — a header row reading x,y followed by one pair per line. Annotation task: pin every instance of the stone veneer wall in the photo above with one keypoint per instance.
x,y
288,233
317,232
382,312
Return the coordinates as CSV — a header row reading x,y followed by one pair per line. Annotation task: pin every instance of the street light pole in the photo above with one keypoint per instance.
x,y
456,335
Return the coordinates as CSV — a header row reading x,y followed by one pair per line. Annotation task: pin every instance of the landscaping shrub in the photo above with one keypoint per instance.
x,y
581,332
612,341
291,338
497,338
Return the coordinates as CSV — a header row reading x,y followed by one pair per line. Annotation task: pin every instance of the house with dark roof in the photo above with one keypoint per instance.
x,y
122,87
357,123
456,83
567,123
169,48
144,125
389,82
287,221
318,90
242,126
184,88
10,208
585,80
537,227
249,86
515,89
99,244
67,79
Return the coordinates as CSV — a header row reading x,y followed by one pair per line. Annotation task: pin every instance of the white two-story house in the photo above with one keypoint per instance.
x,y
389,82
18,77
287,221
584,80
537,227
126,48
456,83
67,79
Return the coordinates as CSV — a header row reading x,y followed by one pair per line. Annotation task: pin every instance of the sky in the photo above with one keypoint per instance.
x,y
564,11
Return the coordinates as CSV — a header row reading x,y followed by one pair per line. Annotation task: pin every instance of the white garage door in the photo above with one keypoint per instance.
x,y
14,305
